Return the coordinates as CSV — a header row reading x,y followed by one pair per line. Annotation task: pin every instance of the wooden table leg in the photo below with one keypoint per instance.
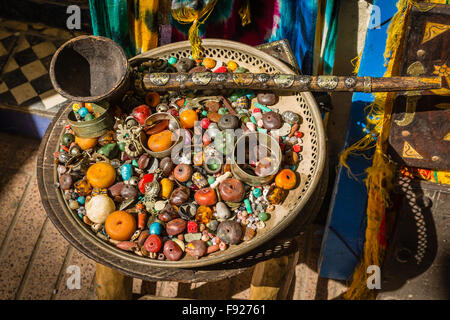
x,y
272,279
110,284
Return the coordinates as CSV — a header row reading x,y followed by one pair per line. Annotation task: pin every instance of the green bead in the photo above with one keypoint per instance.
x,y
209,243
89,116
252,118
134,163
110,150
263,216
172,60
257,192
211,179
204,113
67,139
241,70
222,111
245,119
121,146
234,96
80,216
213,165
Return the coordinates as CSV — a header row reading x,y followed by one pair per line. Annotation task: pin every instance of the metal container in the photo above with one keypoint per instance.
x,y
263,140
90,69
96,127
153,119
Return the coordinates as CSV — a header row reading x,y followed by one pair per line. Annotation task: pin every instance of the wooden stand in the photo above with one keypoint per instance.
x,y
110,284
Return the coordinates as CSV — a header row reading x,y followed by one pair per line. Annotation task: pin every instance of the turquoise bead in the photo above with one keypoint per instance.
x,y
172,60
262,107
83,112
155,228
262,130
248,207
263,216
211,179
204,113
81,200
126,171
257,192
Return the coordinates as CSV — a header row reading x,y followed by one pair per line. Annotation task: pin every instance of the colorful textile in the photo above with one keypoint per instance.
x,y
436,176
132,24
271,20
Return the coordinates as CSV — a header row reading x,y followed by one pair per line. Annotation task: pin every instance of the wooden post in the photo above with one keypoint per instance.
x,y
272,279
110,284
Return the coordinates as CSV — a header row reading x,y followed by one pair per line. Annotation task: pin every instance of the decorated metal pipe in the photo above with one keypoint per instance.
x,y
287,82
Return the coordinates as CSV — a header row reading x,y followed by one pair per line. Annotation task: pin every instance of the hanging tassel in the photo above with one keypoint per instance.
x,y
186,15
244,13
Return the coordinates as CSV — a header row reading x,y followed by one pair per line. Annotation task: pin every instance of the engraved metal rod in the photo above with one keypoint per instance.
x,y
289,82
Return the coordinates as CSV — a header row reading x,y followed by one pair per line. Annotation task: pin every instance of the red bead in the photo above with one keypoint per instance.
x,y
206,140
145,179
256,110
141,113
192,227
205,123
153,243
297,148
221,70
299,134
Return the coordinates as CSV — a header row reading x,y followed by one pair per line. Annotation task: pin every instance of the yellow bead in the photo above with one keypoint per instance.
x,y
209,63
166,188
232,65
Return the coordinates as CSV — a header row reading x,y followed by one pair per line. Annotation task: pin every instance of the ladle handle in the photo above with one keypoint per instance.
x,y
288,82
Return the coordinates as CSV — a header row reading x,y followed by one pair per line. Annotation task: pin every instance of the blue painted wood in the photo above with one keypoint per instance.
x,y
344,233
23,123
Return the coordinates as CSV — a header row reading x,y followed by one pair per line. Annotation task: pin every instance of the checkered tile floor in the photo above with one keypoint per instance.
x,y
25,82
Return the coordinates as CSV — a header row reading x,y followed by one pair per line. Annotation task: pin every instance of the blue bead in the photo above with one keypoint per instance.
x,y
81,200
83,112
126,171
156,228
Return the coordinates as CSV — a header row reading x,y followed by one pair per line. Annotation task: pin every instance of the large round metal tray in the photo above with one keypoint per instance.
x,y
310,168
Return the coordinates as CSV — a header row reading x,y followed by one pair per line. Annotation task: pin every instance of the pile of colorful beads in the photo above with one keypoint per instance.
x,y
84,111
160,208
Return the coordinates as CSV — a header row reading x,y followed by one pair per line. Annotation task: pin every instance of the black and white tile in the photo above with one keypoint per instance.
x,y
24,82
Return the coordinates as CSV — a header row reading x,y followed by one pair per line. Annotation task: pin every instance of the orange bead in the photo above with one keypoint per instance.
x,y
188,118
209,63
85,143
89,106
152,99
286,179
160,141
120,225
101,175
